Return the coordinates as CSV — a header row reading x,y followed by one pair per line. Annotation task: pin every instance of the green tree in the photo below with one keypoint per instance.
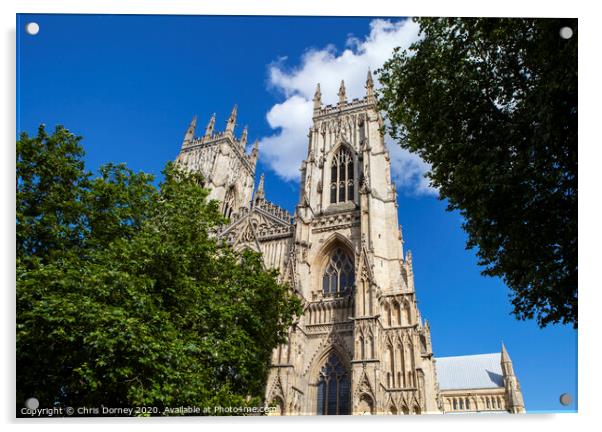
x,y
50,175
124,298
491,105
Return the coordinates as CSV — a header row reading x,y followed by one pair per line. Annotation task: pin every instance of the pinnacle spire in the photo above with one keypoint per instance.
x,y
232,120
506,362
254,153
369,82
210,127
259,194
342,93
243,138
514,395
505,355
317,98
188,137
369,87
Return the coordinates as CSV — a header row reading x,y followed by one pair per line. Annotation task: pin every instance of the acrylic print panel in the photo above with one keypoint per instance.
x,y
210,213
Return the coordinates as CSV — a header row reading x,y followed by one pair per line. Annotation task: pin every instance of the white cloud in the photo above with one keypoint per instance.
x,y
287,147
407,170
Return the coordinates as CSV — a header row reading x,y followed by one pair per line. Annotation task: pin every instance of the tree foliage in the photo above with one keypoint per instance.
x,y
123,296
491,104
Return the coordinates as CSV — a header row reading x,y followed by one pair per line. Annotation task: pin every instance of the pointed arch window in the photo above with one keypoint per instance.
x,y
229,202
339,276
342,177
333,388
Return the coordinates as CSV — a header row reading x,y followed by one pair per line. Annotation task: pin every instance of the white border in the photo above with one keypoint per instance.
x,y
589,173
551,8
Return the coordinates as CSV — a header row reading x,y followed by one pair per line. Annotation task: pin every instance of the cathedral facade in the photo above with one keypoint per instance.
x,y
361,345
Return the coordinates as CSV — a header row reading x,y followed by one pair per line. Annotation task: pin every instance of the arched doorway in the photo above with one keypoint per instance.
x,y
333,388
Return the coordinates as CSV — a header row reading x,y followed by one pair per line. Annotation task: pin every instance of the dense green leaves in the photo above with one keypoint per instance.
x,y
491,104
49,176
123,296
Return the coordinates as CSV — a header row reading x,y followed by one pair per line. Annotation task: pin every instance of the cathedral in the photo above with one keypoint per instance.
x,y
361,345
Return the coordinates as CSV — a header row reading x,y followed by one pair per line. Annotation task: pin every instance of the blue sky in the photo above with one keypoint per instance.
x,y
130,85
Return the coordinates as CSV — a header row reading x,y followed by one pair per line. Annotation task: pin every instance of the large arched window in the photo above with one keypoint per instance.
x,y
341,177
333,388
339,274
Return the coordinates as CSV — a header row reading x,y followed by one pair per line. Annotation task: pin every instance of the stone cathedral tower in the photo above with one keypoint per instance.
x,y
361,346
229,172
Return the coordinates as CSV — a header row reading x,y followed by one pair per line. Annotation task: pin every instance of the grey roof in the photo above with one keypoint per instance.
x,y
470,372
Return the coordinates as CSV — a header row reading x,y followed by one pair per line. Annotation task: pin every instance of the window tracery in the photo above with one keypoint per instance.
x,y
229,203
339,275
333,388
342,177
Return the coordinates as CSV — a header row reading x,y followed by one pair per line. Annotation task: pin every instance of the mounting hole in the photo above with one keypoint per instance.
x,y
32,28
32,403
566,32
565,399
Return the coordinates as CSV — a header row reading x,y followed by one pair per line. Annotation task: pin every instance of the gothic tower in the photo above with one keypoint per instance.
x,y
228,170
360,346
